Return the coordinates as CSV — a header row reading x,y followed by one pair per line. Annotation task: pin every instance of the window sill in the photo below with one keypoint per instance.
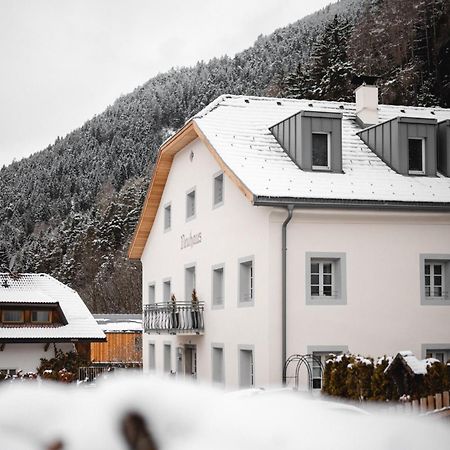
x,y
246,303
325,301
436,301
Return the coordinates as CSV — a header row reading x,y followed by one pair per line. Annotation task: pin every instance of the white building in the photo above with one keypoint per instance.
x,y
305,227
38,315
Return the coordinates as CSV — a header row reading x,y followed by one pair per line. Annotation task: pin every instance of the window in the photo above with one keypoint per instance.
x,y
190,204
151,357
10,372
189,280
41,316
217,286
321,151
167,291
167,217
416,156
152,293
167,358
10,316
218,190
318,362
325,278
443,354
435,279
218,368
246,368
246,281
322,278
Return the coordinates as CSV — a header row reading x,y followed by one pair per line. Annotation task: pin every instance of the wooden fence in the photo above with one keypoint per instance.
x,y
432,404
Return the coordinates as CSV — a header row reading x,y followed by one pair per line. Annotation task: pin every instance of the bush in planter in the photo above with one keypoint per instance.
x,y
63,367
359,378
436,378
382,386
336,383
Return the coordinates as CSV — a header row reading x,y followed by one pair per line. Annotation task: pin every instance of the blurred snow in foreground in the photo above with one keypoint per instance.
x,y
179,415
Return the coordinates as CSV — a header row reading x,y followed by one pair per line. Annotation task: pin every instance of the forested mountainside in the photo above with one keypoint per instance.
x,y
70,210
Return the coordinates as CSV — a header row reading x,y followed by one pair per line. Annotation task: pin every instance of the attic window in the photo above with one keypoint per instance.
x,y
43,316
12,316
321,151
416,155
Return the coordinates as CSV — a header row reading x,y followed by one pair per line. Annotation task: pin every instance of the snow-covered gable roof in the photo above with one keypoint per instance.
x,y
119,323
43,289
238,129
416,366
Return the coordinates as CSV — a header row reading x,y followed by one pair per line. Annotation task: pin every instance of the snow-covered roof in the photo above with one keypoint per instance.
x,y
41,288
237,127
119,323
417,366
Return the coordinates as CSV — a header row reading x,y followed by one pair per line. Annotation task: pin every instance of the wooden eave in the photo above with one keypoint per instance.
x,y
167,152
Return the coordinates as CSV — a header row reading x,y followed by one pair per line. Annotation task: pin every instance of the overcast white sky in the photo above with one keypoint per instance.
x,y
63,61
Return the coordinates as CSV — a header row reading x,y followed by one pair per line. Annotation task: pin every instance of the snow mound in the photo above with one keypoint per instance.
x,y
179,415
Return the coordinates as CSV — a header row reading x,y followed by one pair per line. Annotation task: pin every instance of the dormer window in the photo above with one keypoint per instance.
x,y
41,316
321,151
416,156
12,316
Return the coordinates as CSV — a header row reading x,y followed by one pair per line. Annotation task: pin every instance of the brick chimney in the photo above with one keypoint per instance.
x,y
366,105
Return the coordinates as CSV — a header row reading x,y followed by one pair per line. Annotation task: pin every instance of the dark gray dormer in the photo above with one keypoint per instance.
x,y
443,163
406,144
312,139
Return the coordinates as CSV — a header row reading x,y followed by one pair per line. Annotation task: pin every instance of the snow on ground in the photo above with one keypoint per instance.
x,y
187,416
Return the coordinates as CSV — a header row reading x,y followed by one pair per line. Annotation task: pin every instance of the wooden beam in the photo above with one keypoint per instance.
x,y
2,347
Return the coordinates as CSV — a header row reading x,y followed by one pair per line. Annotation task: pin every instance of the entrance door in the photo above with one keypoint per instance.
x,y
190,358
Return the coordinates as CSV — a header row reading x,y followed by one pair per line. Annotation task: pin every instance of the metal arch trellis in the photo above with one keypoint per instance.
x,y
299,360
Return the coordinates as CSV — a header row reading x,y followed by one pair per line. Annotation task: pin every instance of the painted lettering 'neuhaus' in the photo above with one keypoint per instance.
x,y
190,240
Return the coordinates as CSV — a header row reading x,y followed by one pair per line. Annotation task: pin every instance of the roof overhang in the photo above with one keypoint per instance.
x,y
39,340
312,203
167,152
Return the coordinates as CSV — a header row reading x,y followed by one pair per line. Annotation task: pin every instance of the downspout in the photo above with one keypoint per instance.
x,y
290,209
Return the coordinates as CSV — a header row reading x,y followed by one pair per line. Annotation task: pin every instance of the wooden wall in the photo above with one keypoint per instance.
x,y
119,347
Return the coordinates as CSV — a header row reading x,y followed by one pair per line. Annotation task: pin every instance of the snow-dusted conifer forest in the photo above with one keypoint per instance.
x,y
70,210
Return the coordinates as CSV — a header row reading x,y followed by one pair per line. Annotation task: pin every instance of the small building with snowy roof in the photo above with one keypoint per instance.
x,y
123,344
38,315
303,227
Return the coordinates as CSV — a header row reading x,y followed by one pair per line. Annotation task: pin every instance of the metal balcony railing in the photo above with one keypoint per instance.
x,y
174,318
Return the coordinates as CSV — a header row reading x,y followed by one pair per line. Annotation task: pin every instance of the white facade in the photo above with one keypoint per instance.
x,y
377,257
27,357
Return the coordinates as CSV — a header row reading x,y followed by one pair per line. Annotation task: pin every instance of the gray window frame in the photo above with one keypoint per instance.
x,y
423,171
214,304
243,261
168,369
339,260
326,168
150,285
220,346
435,257
151,361
188,295
164,281
188,193
245,347
167,207
434,347
311,349
215,176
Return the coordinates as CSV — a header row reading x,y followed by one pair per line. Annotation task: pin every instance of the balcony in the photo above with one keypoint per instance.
x,y
174,318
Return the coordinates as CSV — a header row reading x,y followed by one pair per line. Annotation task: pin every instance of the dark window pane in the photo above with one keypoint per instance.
x,y
427,291
437,269
415,155
438,292
427,269
327,291
437,280
327,279
427,280
314,290
317,383
314,279
314,268
320,150
327,268
440,356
